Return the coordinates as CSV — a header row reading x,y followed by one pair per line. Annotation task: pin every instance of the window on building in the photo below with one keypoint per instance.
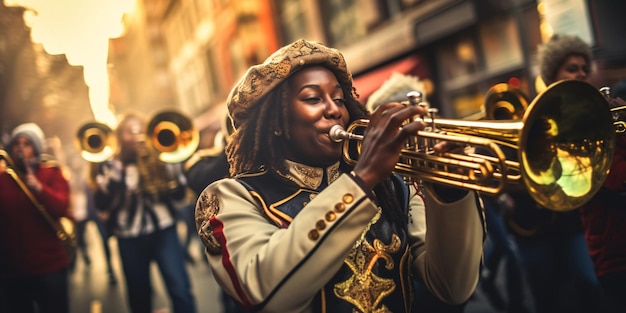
x,y
344,25
292,19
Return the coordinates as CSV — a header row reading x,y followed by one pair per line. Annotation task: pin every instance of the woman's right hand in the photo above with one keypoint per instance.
x,y
383,140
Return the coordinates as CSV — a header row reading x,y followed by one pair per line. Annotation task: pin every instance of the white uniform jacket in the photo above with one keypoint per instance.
x,y
272,262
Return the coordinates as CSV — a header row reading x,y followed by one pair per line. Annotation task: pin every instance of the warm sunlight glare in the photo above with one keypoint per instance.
x,y
80,29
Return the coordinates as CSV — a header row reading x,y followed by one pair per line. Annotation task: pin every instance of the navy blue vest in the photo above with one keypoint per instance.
x,y
376,276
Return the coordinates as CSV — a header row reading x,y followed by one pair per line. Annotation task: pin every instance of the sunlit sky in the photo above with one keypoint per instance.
x,y
80,29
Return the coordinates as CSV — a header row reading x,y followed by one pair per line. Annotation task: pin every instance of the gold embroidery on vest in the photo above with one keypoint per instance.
x,y
310,176
367,228
364,289
207,206
333,173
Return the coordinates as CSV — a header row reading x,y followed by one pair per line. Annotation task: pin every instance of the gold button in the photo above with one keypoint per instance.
x,y
320,225
348,198
314,235
331,216
340,207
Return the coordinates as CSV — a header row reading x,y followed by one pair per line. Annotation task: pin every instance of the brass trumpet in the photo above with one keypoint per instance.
x,y
564,147
96,142
170,136
503,102
618,122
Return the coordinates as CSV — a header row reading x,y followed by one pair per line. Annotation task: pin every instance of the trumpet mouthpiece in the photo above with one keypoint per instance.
x,y
338,134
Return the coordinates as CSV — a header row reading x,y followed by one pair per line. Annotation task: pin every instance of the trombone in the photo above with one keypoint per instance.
x,y
564,147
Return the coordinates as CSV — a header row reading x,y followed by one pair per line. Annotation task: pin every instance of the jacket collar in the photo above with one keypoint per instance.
x,y
310,177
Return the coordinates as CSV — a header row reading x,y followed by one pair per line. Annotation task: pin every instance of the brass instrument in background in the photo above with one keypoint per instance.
x,y
96,142
618,120
503,102
564,143
5,160
170,137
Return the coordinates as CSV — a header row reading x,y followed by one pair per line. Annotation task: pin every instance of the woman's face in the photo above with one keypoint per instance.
x,y
22,148
315,104
574,67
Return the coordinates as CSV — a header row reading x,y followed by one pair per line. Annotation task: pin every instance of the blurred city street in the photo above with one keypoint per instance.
x,y
90,291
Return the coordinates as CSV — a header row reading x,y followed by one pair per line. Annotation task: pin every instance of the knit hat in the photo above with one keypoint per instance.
x,y
32,132
552,54
261,79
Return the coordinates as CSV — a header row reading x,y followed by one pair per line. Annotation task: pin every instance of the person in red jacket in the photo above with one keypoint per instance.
x,y
33,262
604,219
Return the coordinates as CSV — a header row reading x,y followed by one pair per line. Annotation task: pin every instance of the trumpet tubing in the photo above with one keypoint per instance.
x,y
619,124
559,158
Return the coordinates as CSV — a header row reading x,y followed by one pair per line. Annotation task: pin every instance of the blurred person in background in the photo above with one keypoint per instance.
x,y
136,194
552,244
604,218
202,169
296,229
34,261
84,211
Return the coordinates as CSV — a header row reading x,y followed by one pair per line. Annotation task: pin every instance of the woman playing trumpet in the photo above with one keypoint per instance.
x,y
297,230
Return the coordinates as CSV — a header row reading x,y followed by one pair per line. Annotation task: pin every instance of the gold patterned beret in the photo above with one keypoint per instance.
x,y
262,78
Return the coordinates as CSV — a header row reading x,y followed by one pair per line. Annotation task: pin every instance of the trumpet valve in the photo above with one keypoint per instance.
x,y
415,97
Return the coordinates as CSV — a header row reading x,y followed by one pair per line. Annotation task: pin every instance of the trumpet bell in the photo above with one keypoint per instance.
x,y
567,145
503,102
96,142
172,136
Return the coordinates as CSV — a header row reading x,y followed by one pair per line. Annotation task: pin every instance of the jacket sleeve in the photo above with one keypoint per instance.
x,y
264,266
448,262
55,192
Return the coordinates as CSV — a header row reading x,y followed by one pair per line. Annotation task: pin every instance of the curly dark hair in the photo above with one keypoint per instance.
x,y
554,52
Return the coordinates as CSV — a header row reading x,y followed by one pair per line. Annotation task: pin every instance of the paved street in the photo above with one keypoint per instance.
x,y
91,293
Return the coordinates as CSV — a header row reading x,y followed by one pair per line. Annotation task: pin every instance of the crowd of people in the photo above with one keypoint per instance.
x,y
287,224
